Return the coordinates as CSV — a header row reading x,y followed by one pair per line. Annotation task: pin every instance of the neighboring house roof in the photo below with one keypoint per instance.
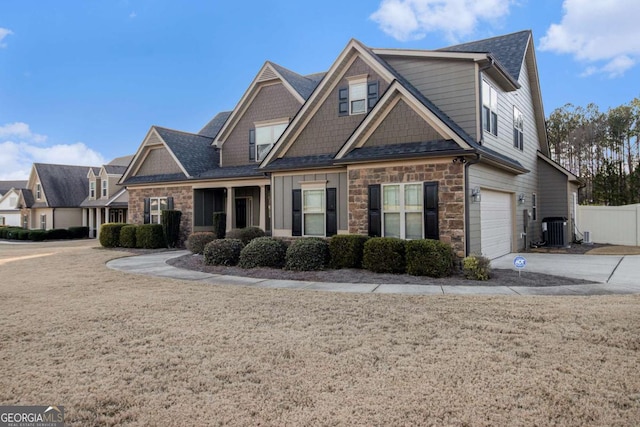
x,y
193,151
212,128
121,161
508,49
63,185
114,170
27,196
8,185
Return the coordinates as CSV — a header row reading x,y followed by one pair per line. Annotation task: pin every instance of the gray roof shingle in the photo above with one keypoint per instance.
x,y
396,151
114,170
304,85
121,161
8,185
193,151
285,163
212,128
64,186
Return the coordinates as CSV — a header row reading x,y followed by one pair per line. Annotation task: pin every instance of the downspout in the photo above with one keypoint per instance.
x,y
467,243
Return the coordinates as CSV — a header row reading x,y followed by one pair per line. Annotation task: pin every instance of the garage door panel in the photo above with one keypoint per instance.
x,y
496,220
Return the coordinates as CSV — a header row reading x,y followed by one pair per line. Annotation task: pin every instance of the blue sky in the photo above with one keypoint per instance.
x,y
81,82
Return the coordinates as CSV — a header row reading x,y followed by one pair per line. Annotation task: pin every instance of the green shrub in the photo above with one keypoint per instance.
x,y
57,234
220,224
384,255
150,236
78,232
170,220
22,234
110,234
426,257
9,232
263,252
197,241
307,253
346,250
245,234
37,235
128,236
223,252
476,267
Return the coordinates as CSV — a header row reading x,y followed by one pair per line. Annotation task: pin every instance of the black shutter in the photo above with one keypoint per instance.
x,y
374,215
296,213
147,210
343,101
252,145
372,94
431,211
170,203
332,212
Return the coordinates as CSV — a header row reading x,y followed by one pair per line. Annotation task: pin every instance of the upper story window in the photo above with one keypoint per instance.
x,y
38,191
105,188
357,98
518,128
13,201
263,137
489,108
92,189
402,211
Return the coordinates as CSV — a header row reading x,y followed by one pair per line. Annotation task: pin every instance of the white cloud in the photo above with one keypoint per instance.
x,y
4,32
21,148
413,19
603,34
132,15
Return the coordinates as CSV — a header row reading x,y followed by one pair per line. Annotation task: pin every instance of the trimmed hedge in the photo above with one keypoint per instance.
x,y
6,232
170,221
57,234
263,252
346,250
37,235
128,236
306,254
150,236
426,257
78,232
110,234
220,224
22,234
245,234
223,252
196,242
476,267
384,255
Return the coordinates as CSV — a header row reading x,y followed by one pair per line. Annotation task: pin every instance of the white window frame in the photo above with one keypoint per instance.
x,y
402,209
272,138
2,221
92,189
13,201
105,187
489,108
43,221
354,85
518,129
534,206
38,191
158,212
319,187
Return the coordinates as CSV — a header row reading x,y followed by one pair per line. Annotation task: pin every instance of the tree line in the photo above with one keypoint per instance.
x,y
602,148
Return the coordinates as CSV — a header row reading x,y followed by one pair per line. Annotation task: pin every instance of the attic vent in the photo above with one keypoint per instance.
x,y
267,74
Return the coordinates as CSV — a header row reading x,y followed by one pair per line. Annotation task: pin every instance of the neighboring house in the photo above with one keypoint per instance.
x,y
10,192
107,201
447,144
53,196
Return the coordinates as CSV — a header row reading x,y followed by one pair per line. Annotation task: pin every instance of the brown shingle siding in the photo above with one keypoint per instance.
x,y
402,125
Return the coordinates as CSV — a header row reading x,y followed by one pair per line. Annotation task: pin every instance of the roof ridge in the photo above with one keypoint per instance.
x,y
486,39
181,131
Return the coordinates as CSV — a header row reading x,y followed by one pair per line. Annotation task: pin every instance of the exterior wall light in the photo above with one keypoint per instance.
x,y
521,198
475,195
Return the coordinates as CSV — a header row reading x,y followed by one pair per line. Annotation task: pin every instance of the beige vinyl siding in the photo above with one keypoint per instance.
x,y
449,84
281,190
273,101
158,161
67,217
554,198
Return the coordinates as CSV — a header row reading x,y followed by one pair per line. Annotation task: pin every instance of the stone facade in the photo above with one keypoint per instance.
x,y
450,178
182,201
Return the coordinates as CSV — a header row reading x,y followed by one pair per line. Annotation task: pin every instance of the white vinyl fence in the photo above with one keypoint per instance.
x,y
617,225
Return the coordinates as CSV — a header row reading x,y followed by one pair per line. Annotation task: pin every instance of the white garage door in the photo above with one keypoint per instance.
x,y
496,224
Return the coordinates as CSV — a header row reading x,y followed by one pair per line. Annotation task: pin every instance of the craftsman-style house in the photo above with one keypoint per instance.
x,y
447,144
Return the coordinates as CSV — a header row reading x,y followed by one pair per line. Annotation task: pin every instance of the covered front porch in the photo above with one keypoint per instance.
x,y
246,203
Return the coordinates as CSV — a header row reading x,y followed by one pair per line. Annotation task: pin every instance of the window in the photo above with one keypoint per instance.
x,y
156,206
402,211
534,206
265,137
489,108
92,189
43,222
38,191
105,186
13,201
313,210
2,220
518,129
358,97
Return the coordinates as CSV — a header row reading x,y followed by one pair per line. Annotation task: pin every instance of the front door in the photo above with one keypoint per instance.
x,y
241,213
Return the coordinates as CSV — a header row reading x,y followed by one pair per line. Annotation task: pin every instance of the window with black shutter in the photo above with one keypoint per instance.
x,y
372,94
431,211
296,213
252,145
332,212
373,211
343,101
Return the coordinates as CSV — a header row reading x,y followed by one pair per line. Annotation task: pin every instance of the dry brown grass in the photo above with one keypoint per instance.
x,y
120,349
615,250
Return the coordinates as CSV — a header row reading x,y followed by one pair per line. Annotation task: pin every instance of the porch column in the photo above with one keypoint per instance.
x,y
229,209
91,223
98,221
84,217
263,211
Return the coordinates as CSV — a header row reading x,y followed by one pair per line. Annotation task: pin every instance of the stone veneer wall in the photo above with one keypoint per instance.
x,y
450,178
182,201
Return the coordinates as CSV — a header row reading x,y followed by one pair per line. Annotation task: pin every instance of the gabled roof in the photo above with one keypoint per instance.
x,y
212,128
304,85
64,186
114,170
8,185
27,197
193,151
508,49
121,161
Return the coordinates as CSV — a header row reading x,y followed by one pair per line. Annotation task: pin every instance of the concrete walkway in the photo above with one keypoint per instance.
x,y
615,274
